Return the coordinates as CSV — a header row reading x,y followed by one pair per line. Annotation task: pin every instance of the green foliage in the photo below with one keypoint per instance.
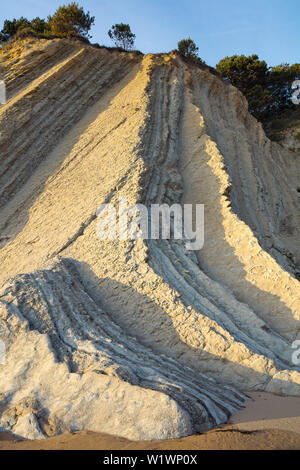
x,y
243,72
188,49
122,36
71,20
14,27
39,25
276,137
277,124
10,28
268,90
280,81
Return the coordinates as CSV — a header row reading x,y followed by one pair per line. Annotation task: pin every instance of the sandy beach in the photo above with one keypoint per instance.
x,y
269,422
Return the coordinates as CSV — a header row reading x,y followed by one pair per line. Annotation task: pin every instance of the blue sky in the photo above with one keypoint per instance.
x,y
269,28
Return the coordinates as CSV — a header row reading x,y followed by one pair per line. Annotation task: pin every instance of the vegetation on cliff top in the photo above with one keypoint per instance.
x,y
68,21
267,89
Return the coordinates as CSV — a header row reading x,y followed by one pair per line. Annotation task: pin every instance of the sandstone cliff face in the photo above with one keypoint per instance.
x,y
141,338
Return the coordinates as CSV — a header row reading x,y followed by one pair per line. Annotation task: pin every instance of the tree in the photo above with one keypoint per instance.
x,y
68,20
280,81
268,90
122,36
188,48
244,72
10,28
250,76
71,20
39,25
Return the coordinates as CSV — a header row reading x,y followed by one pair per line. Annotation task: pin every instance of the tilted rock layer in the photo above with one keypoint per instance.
x,y
141,338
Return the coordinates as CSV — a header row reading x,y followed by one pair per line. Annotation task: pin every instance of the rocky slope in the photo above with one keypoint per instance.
x,y
142,338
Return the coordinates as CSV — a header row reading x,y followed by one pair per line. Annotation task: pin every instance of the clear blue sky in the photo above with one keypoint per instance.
x,y
269,28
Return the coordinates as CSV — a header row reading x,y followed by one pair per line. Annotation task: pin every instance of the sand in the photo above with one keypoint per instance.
x,y
269,422
213,440
268,411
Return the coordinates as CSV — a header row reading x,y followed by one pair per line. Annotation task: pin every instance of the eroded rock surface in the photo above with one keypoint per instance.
x,y
141,338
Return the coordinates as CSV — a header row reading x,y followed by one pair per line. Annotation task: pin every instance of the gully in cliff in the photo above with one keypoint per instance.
x,y
2,92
